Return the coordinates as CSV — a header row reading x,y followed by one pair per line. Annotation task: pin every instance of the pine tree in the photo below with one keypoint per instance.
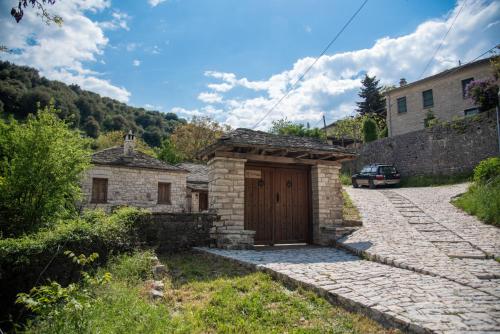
x,y
373,101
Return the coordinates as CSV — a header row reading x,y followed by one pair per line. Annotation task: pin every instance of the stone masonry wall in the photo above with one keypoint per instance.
x,y
226,195
136,187
451,148
327,203
172,232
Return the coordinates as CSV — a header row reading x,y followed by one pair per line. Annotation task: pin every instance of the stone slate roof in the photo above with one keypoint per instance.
x,y
247,137
197,172
114,156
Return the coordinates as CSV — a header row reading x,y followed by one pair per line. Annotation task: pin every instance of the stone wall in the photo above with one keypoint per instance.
x,y
226,195
136,187
327,203
170,232
450,148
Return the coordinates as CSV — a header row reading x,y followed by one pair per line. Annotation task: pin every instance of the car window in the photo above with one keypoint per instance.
x,y
387,170
366,170
373,169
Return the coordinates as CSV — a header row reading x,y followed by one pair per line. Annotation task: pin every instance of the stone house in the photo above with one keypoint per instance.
x,y
124,176
442,93
197,186
272,189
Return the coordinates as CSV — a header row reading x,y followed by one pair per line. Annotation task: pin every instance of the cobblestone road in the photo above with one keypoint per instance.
x,y
431,268
418,228
416,302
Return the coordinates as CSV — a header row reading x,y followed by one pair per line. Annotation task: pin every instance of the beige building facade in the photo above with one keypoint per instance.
x,y
122,176
443,94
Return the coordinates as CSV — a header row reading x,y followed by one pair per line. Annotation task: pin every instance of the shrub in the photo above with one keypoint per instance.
x,y
41,163
114,305
384,133
486,170
484,93
369,130
29,260
483,201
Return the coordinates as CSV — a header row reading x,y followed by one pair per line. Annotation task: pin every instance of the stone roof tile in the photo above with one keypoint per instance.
x,y
114,156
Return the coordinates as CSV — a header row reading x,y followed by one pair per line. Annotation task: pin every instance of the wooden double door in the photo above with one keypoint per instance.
x,y
277,203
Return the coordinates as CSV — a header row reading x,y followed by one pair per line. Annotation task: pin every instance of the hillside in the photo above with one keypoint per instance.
x,y
22,87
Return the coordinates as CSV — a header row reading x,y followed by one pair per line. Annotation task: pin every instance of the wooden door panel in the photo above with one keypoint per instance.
x,y
291,214
277,204
259,205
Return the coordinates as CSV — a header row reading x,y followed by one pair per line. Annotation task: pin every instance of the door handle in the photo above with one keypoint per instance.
x,y
277,197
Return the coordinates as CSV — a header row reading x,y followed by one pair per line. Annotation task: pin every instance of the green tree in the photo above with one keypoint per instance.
x,y
347,128
115,138
41,165
167,152
188,139
286,127
373,101
91,127
369,130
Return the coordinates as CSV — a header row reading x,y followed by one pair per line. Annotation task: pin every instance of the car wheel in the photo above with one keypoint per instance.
x,y
371,184
355,184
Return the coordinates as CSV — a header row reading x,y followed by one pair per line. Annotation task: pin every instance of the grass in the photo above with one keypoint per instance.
x,y
350,212
202,295
434,180
483,201
345,179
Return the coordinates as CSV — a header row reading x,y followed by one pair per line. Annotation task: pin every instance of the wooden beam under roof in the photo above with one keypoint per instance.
x,y
275,159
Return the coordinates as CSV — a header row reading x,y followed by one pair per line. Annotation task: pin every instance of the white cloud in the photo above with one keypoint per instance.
x,y
331,87
210,97
119,20
60,53
154,3
153,107
136,62
132,46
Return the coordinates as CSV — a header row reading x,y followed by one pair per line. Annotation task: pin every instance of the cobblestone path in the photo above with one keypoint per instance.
x,y
397,297
419,229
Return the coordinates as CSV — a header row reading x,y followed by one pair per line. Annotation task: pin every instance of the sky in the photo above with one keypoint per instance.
x,y
233,60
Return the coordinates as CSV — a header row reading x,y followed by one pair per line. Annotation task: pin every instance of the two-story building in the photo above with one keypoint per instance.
x,y
443,94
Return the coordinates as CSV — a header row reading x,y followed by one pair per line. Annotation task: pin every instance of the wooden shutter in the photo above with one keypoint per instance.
x,y
99,190
163,193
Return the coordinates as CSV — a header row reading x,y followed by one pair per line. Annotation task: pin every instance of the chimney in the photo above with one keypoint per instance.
x,y
129,144
402,82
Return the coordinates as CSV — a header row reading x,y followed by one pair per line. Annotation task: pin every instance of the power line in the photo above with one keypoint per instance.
x,y
442,40
311,66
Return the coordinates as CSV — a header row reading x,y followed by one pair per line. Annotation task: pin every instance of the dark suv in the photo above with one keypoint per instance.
x,y
376,174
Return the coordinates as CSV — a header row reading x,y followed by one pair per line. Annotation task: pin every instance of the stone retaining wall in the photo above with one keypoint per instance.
x,y
450,148
170,232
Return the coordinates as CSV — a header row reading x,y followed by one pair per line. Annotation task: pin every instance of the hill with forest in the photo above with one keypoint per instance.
x,y
21,88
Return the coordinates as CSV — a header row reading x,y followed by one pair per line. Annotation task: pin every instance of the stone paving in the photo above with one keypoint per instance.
x,y
418,229
396,297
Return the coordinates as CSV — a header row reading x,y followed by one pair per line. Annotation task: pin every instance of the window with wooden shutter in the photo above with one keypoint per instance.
x,y
99,190
428,98
163,193
402,104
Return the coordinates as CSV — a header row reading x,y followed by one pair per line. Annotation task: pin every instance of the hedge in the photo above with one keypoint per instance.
x,y
24,259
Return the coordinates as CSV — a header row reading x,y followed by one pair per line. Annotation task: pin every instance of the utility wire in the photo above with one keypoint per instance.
x,y
311,66
442,41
